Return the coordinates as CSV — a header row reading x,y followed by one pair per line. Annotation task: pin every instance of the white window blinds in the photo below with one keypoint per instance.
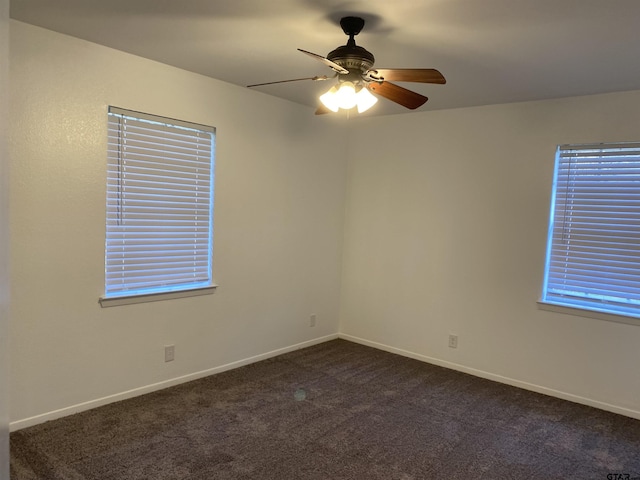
x,y
159,205
593,258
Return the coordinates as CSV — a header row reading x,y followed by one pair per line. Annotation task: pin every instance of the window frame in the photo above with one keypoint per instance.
x,y
155,220
593,183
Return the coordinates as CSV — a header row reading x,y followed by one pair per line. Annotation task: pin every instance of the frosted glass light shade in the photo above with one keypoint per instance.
x,y
365,100
330,100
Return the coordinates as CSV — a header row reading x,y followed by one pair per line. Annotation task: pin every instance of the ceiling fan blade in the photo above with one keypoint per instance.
x,y
398,94
421,75
326,61
316,78
321,110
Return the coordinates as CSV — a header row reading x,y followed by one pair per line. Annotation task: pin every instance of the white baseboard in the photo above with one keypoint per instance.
x,y
497,378
81,407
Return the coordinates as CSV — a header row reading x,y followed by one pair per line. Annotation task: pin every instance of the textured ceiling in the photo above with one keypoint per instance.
x,y
490,51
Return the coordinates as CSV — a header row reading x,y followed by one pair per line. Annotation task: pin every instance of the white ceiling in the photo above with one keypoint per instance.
x,y
490,51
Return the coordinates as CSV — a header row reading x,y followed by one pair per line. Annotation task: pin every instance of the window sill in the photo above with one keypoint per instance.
x,y
155,297
580,312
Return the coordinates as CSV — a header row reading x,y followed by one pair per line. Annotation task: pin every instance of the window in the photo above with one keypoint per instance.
x,y
159,207
593,252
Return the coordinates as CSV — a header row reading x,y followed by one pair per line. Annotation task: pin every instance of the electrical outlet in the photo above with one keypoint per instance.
x,y
312,320
453,340
169,353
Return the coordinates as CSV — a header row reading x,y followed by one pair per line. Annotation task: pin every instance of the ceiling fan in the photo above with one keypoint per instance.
x,y
353,67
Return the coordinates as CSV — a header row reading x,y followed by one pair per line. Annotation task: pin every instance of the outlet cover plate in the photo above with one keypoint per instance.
x,y
169,353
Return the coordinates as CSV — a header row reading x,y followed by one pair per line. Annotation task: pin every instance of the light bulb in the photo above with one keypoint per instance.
x,y
346,96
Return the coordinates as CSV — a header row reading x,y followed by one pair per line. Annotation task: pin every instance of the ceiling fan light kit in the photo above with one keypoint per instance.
x,y
353,67
346,98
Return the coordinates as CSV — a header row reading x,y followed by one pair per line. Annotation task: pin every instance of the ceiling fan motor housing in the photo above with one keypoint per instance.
x,y
354,58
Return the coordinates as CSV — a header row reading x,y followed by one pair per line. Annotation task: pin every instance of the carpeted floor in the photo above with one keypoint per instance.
x,y
333,411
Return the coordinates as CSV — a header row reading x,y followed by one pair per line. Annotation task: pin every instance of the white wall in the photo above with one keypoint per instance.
x,y
278,227
447,215
4,243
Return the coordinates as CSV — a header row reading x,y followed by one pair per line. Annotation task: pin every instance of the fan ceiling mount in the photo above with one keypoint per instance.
x,y
353,67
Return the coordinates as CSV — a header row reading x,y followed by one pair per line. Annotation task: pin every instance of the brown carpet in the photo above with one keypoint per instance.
x,y
333,411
